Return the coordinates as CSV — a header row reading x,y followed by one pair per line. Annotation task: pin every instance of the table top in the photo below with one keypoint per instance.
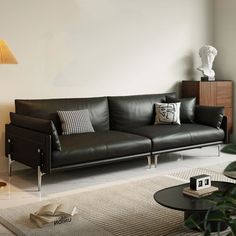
x,y
174,198
230,174
230,170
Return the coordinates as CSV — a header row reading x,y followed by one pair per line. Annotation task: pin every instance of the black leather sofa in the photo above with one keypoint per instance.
x,y
124,129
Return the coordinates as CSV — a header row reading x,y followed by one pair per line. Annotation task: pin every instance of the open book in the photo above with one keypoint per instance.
x,y
53,214
54,209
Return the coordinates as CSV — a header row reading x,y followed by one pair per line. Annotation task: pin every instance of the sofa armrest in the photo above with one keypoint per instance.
x,y
38,125
224,126
29,147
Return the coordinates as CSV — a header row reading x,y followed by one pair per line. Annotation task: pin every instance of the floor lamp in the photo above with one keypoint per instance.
x,y
6,57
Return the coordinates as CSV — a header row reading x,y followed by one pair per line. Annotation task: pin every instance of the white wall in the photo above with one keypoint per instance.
x,y
82,48
225,42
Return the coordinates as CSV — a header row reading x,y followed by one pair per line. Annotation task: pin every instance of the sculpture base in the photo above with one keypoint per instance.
x,y
207,78
204,78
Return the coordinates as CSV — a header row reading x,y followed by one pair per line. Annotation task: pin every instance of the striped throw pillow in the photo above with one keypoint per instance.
x,y
75,122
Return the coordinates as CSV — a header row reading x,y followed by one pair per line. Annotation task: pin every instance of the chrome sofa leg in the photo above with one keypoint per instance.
x,y
40,174
181,157
155,160
10,161
149,162
218,147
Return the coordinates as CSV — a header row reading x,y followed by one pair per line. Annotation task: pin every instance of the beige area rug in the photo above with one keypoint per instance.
x,y
126,209
214,171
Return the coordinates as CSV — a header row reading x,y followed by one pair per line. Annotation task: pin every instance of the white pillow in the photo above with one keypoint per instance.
x,y
167,113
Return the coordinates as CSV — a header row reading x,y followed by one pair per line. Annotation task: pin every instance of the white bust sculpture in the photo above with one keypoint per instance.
x,y
207,54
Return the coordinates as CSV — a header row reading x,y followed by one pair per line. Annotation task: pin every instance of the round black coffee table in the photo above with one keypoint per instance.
x,y
174,198
230,170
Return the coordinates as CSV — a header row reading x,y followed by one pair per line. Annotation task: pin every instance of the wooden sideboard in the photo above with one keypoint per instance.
x,y
214,93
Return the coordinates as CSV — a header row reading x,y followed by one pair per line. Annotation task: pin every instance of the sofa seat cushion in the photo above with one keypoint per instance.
x,y
173,136
87,147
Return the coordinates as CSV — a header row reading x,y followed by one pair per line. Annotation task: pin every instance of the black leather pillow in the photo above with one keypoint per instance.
x,y
37,124
208,115
186,109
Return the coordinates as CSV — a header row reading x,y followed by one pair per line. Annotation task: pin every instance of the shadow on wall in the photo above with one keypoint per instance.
x,y
190,70
187,69
175,88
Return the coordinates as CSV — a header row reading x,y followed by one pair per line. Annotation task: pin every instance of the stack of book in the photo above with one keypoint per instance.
x,y
200,193
53,214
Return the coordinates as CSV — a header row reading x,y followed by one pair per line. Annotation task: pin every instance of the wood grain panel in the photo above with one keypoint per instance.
x,y
224,93
190,89
207,94
229,114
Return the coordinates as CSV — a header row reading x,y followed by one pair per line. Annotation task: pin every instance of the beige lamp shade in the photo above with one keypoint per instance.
x,y
6,56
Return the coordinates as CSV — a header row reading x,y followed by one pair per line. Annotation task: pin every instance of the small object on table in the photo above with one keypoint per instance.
x,y
200,193
200,186
200,182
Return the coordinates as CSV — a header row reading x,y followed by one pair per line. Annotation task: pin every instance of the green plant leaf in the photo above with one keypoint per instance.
x,y
207,232
215,215
230,148
230,167
233,192
194,222
226,206
232,224
230,198
223,210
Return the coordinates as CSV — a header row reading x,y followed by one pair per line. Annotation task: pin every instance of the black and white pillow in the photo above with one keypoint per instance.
x,y
167,113
75,122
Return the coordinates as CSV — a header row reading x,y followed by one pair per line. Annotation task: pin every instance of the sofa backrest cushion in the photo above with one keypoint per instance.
x,y
133,111
47,109
186,109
